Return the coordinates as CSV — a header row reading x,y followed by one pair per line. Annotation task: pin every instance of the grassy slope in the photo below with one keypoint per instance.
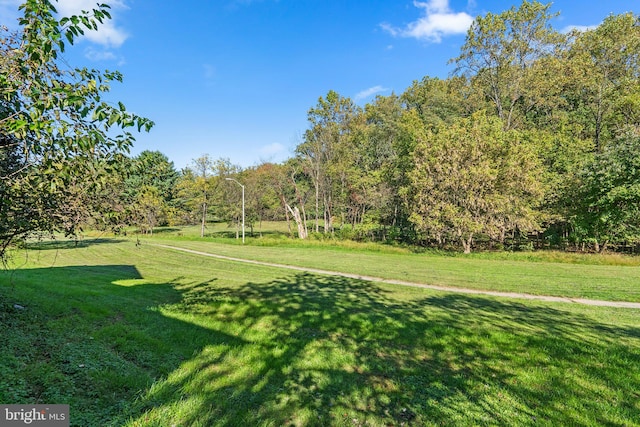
x,y
141,336
572,276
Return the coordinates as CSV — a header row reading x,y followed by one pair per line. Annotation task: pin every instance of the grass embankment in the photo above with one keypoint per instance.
x,y
604,277
142,336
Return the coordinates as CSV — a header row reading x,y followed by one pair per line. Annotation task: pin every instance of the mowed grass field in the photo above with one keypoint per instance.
x,y
611,277
133,334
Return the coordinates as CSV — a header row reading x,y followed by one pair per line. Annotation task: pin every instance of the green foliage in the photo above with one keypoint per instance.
x,y
148,209
152,169
57,132
609,194
438,101
203,192
499,53
565,95
261,198
149,192
605,62
472,177
327,153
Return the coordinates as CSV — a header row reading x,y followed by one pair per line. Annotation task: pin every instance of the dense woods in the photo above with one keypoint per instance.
x,y
533,142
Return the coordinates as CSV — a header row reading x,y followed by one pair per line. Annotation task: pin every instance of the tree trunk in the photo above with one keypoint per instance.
x,y
302,230
603,247
324,225
204,219
286,212
304,217
328,224
466,243
317,203
300,220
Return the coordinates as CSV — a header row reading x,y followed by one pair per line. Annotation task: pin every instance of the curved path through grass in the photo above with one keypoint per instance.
x,y
585,301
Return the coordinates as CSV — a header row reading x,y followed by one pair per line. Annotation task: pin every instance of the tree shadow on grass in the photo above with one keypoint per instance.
x,y
94,337
306,350
55,244
319,350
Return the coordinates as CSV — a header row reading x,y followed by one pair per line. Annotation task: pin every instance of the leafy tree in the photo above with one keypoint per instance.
x,y
227,196
292,192
562,155
364,158
154,169
471,177
188,198
261,197
500,52
55,128
604,92
608,202
440,101
202,187
197,187
148,208
108,207
330,124
149,173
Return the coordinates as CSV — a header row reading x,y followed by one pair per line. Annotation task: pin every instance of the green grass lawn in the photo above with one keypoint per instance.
x,y
605,277
137,335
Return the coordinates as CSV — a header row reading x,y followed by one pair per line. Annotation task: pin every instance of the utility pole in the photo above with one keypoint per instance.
x,y
231,179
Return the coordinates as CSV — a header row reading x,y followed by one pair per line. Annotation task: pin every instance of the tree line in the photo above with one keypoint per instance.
x,y
534,141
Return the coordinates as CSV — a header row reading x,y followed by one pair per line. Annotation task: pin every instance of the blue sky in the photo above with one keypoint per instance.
x,y
235,78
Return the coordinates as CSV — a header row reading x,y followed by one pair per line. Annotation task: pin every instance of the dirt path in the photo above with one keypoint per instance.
x,y
601,303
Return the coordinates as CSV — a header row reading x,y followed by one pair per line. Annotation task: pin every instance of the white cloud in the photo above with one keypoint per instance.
x,y
438,21
581,28
108,34
272,149
369,92
434,6
99,55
